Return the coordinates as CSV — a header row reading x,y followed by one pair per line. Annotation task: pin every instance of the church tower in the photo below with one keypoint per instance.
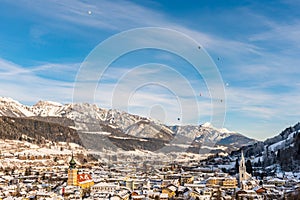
x,y
242,169
243,175
72,172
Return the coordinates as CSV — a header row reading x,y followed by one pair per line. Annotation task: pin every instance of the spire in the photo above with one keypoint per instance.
x,y
72,162
242,162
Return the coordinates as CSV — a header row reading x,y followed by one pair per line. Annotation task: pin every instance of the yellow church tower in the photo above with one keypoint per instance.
x,y
72,172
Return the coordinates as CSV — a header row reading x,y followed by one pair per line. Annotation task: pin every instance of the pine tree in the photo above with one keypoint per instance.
x,y
237,165
278,154
259,163
249,168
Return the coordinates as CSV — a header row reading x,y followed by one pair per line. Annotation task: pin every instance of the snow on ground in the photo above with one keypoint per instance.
x,y
255,160
224,130
25,111
276,145
11,148
32,146
215,147
74,145
229,166
282,143
207,125
54,151
98,132
53,103
185,146
125,138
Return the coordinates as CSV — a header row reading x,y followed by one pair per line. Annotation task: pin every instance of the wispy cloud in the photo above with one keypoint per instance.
x,y
262,105
117,16
25,85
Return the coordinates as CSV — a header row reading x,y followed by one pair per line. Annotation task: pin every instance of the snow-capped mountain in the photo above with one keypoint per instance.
x,y
132,131
281,151
47,108
10,107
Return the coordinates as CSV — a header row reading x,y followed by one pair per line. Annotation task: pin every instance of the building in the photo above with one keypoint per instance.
x,y
72,173
84,181
247,195
243,175
213,181
104,187
229,182
170,190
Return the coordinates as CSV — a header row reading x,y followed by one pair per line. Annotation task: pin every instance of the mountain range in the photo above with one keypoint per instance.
x,y
97,129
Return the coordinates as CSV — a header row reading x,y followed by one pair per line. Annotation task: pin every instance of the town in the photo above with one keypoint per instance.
x,y
149,100
68,171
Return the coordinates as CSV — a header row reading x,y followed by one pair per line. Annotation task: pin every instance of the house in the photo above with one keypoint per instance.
x,y
136,196
229,182
276,182
170,190
213,181
104,187
247,194
260,190
163,196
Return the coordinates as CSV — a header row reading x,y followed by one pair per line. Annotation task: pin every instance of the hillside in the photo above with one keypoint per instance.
x,y
99,129
37,131
281,151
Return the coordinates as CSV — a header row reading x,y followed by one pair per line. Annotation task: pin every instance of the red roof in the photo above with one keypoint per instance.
x,y
84,178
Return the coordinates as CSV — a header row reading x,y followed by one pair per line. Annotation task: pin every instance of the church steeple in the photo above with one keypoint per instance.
x,y
243,175
72,172
242,162
72,163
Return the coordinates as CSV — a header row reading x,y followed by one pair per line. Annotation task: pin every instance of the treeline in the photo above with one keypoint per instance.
x,y
286,153
36,131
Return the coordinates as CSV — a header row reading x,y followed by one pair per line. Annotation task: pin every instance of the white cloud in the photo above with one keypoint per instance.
x,y
262,105
24,85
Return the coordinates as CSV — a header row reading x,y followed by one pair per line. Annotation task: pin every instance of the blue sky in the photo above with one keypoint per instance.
x,y
254,44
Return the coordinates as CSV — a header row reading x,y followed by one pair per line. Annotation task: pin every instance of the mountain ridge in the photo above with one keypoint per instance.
x,y
90,119
281,152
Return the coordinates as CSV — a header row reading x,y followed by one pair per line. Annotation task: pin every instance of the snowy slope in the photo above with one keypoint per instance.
x,y
90,118
47,108
10,107
282,151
